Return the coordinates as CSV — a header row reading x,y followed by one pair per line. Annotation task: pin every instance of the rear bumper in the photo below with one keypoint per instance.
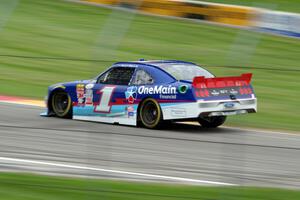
x,y
209,108
231,107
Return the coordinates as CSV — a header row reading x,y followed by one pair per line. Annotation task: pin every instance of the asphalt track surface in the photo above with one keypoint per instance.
x,y
179,154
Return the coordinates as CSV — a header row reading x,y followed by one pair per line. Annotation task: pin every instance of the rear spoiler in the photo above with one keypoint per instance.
x,y
222,82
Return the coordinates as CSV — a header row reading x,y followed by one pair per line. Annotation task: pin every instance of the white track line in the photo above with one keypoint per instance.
x,y
116,171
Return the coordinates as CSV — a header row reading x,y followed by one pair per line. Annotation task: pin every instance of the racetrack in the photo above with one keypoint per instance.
x,y
32,143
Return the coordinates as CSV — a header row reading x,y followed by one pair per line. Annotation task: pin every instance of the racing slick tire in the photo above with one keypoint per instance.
x,y
61,104
150,114
211,122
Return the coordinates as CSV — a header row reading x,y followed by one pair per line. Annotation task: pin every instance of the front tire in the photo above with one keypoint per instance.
x,y
150,114
61,104
211,122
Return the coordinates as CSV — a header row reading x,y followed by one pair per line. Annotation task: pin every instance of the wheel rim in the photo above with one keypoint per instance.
x,y
150,113
61,103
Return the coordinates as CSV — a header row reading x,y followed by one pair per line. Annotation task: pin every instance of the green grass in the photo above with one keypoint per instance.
x,y
280,5
15,186
53,28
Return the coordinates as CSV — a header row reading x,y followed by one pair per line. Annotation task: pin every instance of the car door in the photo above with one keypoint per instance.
x,y
109,92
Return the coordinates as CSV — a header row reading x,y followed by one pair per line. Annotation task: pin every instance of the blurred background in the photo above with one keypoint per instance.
x,y
45,42
50,41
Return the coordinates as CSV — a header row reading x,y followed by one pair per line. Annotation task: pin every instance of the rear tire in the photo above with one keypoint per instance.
x,y
150,114
61,104
211,122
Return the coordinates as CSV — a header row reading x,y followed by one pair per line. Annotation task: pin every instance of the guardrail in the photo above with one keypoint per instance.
x,y
281,23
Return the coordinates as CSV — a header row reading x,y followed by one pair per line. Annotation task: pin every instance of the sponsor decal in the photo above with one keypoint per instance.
x,y
228,91
84,94
130,111
80,94
131,94
163,90
161,96
233,91
178,112
183,89
89,93
229,105
89,86
223,91
130,114
89,96
215,93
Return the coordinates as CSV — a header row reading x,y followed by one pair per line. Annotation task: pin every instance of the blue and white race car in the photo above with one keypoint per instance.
x,y
152,92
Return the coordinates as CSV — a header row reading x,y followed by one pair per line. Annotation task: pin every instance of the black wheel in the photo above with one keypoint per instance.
x,y
211,122
150,114
62,104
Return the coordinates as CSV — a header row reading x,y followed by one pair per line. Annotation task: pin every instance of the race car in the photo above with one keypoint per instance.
x,y
149,93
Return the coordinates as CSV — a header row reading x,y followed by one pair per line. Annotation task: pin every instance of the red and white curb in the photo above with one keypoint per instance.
x,y
21,101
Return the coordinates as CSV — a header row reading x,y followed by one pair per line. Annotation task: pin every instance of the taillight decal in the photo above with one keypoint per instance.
x,y
202,93
246,90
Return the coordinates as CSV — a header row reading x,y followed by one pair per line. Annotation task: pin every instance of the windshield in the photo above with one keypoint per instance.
x,y
184,71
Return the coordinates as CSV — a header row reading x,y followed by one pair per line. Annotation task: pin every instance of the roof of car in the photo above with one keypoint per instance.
x,y
154,63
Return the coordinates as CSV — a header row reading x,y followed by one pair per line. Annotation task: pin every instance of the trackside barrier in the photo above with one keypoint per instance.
x,y
281,23
219,13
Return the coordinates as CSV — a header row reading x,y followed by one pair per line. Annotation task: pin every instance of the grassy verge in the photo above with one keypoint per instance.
x,y
57,29
32,187
281,5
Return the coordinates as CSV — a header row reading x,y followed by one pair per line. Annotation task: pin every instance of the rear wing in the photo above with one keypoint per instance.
x,y
222,82
222,86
